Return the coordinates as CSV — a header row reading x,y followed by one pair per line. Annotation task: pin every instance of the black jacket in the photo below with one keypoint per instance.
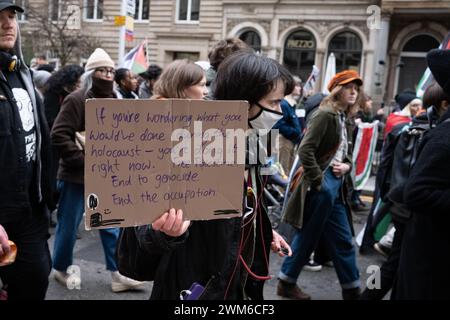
x,y
52,104
209,254
404,158
312,103
425,258
14,193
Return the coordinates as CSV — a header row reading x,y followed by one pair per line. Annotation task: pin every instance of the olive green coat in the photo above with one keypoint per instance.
x,y
317,149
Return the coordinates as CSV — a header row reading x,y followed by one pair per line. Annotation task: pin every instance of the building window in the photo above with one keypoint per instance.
x,y
55,9
299,53
413,61
191,56
188,10
93,9
347,48
252,39
21,16
142,10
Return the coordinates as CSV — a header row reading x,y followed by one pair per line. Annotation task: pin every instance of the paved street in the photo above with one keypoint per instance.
x,y
96,281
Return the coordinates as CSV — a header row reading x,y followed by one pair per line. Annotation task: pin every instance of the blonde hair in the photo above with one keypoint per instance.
x,y
176,78
333,100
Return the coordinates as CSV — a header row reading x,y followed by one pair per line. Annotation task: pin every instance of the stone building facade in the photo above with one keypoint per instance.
x,y
385,40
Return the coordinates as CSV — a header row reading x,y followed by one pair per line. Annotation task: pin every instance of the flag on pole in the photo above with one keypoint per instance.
x,y
147,50
311,82
136,59
130,9
330,71
427,77
129,28
366,140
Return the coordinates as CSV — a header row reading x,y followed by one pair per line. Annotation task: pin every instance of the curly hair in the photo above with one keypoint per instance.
x,y
65,77
223,49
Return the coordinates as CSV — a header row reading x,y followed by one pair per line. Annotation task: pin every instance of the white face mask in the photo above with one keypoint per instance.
x,y
265,119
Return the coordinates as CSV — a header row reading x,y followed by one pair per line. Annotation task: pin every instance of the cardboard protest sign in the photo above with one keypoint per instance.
x,y
143,157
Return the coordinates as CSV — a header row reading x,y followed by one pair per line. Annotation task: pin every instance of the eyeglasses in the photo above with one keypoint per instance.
x,y
105,71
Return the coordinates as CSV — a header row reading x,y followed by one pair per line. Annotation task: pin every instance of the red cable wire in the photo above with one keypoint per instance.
x,y
235,267
262,240
241,244
251,273
255,276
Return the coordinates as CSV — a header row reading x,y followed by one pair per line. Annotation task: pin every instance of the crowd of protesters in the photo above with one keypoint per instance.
x,y
42,124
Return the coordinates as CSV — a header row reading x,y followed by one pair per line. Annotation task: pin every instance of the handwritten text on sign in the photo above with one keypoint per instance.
x,y
134,172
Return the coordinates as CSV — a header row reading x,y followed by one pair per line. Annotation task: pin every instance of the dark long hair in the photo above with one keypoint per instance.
x,y
64,79
249,76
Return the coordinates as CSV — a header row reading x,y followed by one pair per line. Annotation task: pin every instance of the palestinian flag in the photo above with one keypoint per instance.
x,y
366,140
427,77
136,60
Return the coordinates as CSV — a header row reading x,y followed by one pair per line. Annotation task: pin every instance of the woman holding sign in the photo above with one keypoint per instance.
x,y
226,258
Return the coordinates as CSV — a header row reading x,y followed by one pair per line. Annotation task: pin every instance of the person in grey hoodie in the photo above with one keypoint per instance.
x,y
24,180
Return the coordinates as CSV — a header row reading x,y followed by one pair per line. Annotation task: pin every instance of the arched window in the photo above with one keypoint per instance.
x,y
413,61
252,39
347,49
299,53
